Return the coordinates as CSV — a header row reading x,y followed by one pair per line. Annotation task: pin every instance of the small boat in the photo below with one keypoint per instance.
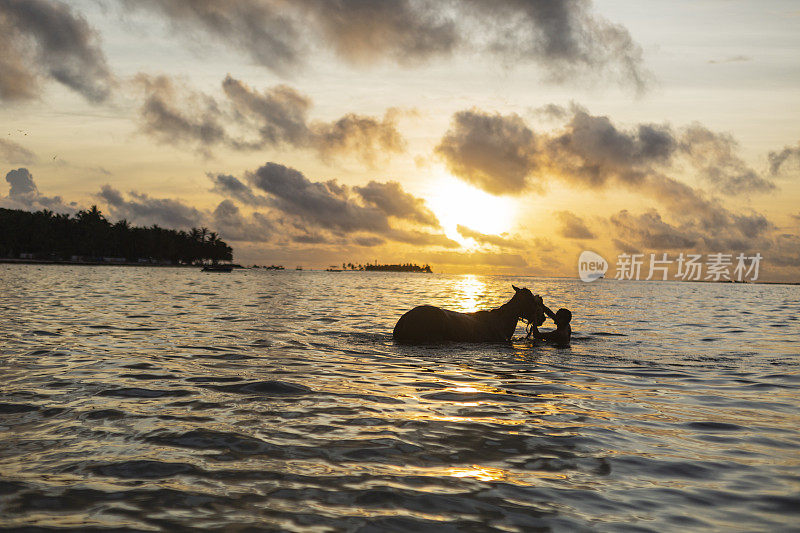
x,y
217,268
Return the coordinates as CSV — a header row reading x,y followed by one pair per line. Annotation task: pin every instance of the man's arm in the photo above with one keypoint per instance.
x,y
536,334
548,312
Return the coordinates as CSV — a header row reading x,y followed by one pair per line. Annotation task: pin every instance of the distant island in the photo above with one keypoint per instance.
x,y
88,237
369,267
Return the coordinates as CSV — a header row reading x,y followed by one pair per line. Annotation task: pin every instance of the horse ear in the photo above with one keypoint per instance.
x,y
515,288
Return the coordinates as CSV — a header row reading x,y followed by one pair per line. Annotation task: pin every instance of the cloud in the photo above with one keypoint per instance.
x,y
24,194
326,204
493,240
390,198
21,183
566,38
177,115
367,138
15,154
226,218
473,259
227,185
573,227
496,153
421,238
327,212
45,39
275,117
714,156
259,28
709,227
649,231
280,113
143,210
731,59
233,225
502,155
777,160
590,150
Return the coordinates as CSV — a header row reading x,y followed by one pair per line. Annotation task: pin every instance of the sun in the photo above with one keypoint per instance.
x,y
455,202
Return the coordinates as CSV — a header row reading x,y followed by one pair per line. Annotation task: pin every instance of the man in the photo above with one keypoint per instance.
x,y
563,332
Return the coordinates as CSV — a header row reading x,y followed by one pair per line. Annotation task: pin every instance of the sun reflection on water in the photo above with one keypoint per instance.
x,y
469,290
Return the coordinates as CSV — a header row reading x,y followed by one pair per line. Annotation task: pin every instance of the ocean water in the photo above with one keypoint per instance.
x,y
166,399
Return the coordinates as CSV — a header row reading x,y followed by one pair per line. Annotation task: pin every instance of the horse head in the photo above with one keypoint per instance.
x,y
530,306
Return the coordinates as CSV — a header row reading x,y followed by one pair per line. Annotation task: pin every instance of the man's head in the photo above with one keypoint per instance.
x,y
563,317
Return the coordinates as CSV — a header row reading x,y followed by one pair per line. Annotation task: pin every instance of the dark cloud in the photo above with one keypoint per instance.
x,y
390,198
328,212
367,138
276,117
259,28
648,231
176,115
573,226
44,38
497,153
590,150
364,32
368,241
279,113
326,204
709,228
494,240
24,194
777,160
551,112
564,37
714,156
15,154
786,253
233,225
227,185
502,155
713,221
144,210
21,183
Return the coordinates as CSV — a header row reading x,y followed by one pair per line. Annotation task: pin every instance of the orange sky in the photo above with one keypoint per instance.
x,y
477,137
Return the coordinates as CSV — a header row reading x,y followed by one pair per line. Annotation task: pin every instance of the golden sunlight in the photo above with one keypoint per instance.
x,y
455,202
468,290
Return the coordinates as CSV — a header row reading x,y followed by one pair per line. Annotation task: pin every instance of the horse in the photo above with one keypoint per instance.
x,y
431,324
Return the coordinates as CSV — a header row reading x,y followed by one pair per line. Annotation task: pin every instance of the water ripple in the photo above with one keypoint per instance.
x,y
277,401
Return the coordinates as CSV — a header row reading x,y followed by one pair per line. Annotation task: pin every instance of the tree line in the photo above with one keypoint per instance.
x,y
90,236
404,267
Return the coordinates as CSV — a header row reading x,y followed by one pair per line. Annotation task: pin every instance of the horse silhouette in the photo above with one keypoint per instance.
x,y
430,324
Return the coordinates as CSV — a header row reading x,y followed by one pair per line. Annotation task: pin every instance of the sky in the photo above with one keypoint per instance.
x,y
485,137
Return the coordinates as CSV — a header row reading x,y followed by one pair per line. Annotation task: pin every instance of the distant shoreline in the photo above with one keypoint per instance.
x,y
88,263
12,261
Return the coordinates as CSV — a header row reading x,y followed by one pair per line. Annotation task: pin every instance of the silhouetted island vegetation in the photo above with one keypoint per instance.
x,y
404,267
89,237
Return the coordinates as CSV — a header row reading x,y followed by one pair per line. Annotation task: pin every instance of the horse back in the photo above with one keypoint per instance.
x,y
428,323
